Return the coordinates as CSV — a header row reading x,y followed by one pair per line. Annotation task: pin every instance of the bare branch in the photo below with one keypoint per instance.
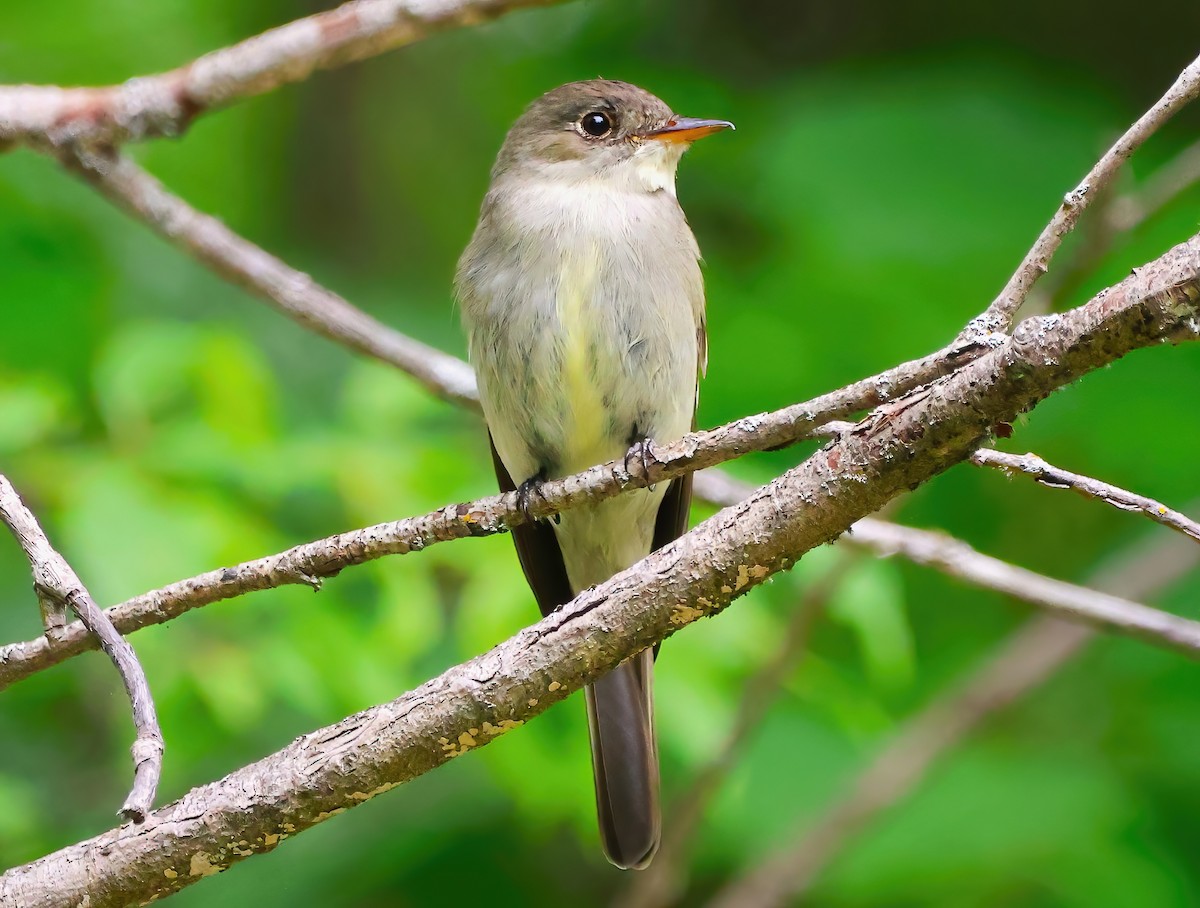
x,y
999,315
1056,478
292,292
1017,666
165,104
1164,292
54,581
898,447
1116,215
307,564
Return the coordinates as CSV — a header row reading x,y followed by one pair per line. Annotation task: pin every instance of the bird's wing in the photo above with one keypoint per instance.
x,y
537,550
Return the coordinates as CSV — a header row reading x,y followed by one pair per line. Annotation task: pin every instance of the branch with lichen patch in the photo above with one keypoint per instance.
x,y
1017,666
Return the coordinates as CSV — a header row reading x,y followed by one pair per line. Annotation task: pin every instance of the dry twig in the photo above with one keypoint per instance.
x,y
1055,478
999,315
55,582
1116,215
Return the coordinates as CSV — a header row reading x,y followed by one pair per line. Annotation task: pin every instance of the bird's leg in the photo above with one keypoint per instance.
x,y
641,450
525,492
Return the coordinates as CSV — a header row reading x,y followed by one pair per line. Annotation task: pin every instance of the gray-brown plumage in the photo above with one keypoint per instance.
x,y
583,302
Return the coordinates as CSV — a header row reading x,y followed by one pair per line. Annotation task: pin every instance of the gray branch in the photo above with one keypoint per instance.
x,y
900,446
1056,478
1114,216
999,315
166,103
54,581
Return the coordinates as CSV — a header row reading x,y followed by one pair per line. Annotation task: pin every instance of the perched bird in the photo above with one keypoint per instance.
x,y
583,302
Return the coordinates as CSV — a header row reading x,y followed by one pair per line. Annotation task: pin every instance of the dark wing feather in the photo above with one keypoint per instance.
x,y
672,521
537,550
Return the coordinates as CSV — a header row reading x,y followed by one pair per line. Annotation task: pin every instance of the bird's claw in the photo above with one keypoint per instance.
x,y
525,492
641,451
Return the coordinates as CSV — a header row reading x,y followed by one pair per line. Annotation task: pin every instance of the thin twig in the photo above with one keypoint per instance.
x,y
166,103
662,882
55,581
1017,666
1056,478
999,315
955,558
1115,216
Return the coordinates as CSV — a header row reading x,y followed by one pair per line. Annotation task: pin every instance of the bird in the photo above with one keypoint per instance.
x,y
582,300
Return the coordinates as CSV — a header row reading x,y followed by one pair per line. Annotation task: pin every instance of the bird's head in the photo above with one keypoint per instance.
x,y
601,131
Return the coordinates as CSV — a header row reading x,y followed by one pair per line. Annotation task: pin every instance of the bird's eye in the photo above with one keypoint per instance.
x,y
596,124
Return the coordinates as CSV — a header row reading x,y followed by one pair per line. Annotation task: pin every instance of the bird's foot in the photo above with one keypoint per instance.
x,y
642,451
525,492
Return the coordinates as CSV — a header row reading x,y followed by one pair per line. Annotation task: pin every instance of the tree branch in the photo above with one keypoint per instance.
x,y
165,104
1055,478
999,315
1169,286
291,292
898,447
1017,666
955,558
55,582
308,563
1117,215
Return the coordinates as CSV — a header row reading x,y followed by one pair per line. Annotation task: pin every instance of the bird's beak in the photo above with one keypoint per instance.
x,y
688,129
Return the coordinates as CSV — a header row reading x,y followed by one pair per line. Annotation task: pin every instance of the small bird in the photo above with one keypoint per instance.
x,y
583,303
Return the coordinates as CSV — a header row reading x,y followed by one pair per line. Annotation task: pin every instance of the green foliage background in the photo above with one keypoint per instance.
x,y
889,169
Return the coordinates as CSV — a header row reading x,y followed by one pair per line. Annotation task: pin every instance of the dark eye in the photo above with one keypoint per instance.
x,y
596,124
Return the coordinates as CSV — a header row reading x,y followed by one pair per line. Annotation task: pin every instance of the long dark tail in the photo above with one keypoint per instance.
x,y
620,705
620,709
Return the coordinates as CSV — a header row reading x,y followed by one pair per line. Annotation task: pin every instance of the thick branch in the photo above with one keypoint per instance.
x,y
55,581
898,447
1056,478
1167,288
955,558
164,104
1000,313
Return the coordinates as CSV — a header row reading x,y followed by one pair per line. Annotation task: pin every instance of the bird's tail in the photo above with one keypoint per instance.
x,y
620,710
